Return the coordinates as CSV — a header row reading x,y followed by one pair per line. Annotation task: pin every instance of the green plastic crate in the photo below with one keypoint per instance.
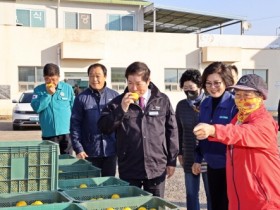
x,y
66,156
72,162
91,182
86,194
28,166
54,206
134,203
78,171
10,200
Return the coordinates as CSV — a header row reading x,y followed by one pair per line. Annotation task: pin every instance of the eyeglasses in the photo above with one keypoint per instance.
x,y
210,84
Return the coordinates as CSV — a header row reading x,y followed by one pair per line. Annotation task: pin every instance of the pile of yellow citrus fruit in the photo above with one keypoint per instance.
x,y
23,203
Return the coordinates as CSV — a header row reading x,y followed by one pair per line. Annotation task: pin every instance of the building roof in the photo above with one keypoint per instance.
x,y
173,20
125,2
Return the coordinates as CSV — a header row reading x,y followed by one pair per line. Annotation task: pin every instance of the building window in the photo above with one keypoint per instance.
x,y
74,20
171,78
263,73
121,23
29,77
118,79
30,18
77,78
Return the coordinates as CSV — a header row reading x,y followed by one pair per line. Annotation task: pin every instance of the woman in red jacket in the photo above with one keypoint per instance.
x,y
253,162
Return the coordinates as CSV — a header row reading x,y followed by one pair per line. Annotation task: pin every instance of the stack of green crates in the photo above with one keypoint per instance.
x,y
78,171
70,167
62,162
28,166
65,156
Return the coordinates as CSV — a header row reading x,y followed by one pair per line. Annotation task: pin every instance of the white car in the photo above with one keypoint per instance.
x,y
23,114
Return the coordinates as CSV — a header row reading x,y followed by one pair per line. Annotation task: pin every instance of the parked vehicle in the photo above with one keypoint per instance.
x,y
23,114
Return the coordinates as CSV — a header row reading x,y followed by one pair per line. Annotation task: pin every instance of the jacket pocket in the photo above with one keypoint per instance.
x,y
260,188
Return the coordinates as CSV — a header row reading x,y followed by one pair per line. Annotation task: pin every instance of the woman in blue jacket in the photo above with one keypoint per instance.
x,y
217,108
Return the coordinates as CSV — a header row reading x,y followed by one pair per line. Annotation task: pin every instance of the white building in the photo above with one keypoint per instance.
x,y
77,33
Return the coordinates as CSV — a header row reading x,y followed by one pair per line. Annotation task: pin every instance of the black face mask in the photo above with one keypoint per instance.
x,y
191,94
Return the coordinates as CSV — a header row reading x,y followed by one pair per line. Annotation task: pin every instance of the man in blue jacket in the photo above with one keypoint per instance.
x,y
53,101
88,141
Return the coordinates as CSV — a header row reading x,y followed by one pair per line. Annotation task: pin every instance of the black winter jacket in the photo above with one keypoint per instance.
x,y
146,140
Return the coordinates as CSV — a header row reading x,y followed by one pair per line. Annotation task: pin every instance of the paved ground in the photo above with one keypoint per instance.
x,y
175,187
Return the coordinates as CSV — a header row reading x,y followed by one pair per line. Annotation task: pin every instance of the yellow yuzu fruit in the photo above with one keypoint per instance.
x,y
21,203
134,96
36,203
115,196
83,186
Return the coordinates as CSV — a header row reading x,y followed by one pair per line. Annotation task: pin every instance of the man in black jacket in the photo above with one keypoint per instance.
x,y
146,131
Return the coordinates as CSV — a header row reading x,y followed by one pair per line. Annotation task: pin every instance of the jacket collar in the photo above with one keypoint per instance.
x,y
59,85
96,91
223,102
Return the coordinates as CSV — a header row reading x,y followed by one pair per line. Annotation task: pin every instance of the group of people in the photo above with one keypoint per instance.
x,y
220,130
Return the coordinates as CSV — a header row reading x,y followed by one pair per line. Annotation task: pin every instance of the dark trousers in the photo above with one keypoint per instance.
x,y
218,188
106,164
63,141
155,186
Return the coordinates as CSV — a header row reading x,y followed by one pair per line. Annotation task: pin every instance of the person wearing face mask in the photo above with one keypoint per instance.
x,y
218,107
187,112
253,161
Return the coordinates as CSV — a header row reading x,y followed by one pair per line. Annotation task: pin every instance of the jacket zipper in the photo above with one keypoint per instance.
x,y
233,178
53,114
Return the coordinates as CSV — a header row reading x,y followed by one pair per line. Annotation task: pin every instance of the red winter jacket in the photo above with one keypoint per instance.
x,y
253,162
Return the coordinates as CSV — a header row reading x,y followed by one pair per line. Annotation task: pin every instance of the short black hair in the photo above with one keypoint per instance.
x,y
51,69
93,66
139,68
191,75
219,68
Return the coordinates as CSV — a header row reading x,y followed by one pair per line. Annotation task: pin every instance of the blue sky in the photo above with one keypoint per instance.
x,y
264,15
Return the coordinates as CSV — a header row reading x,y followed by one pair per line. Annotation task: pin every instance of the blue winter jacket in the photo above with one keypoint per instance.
x,y
54,110
85,135
214,153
